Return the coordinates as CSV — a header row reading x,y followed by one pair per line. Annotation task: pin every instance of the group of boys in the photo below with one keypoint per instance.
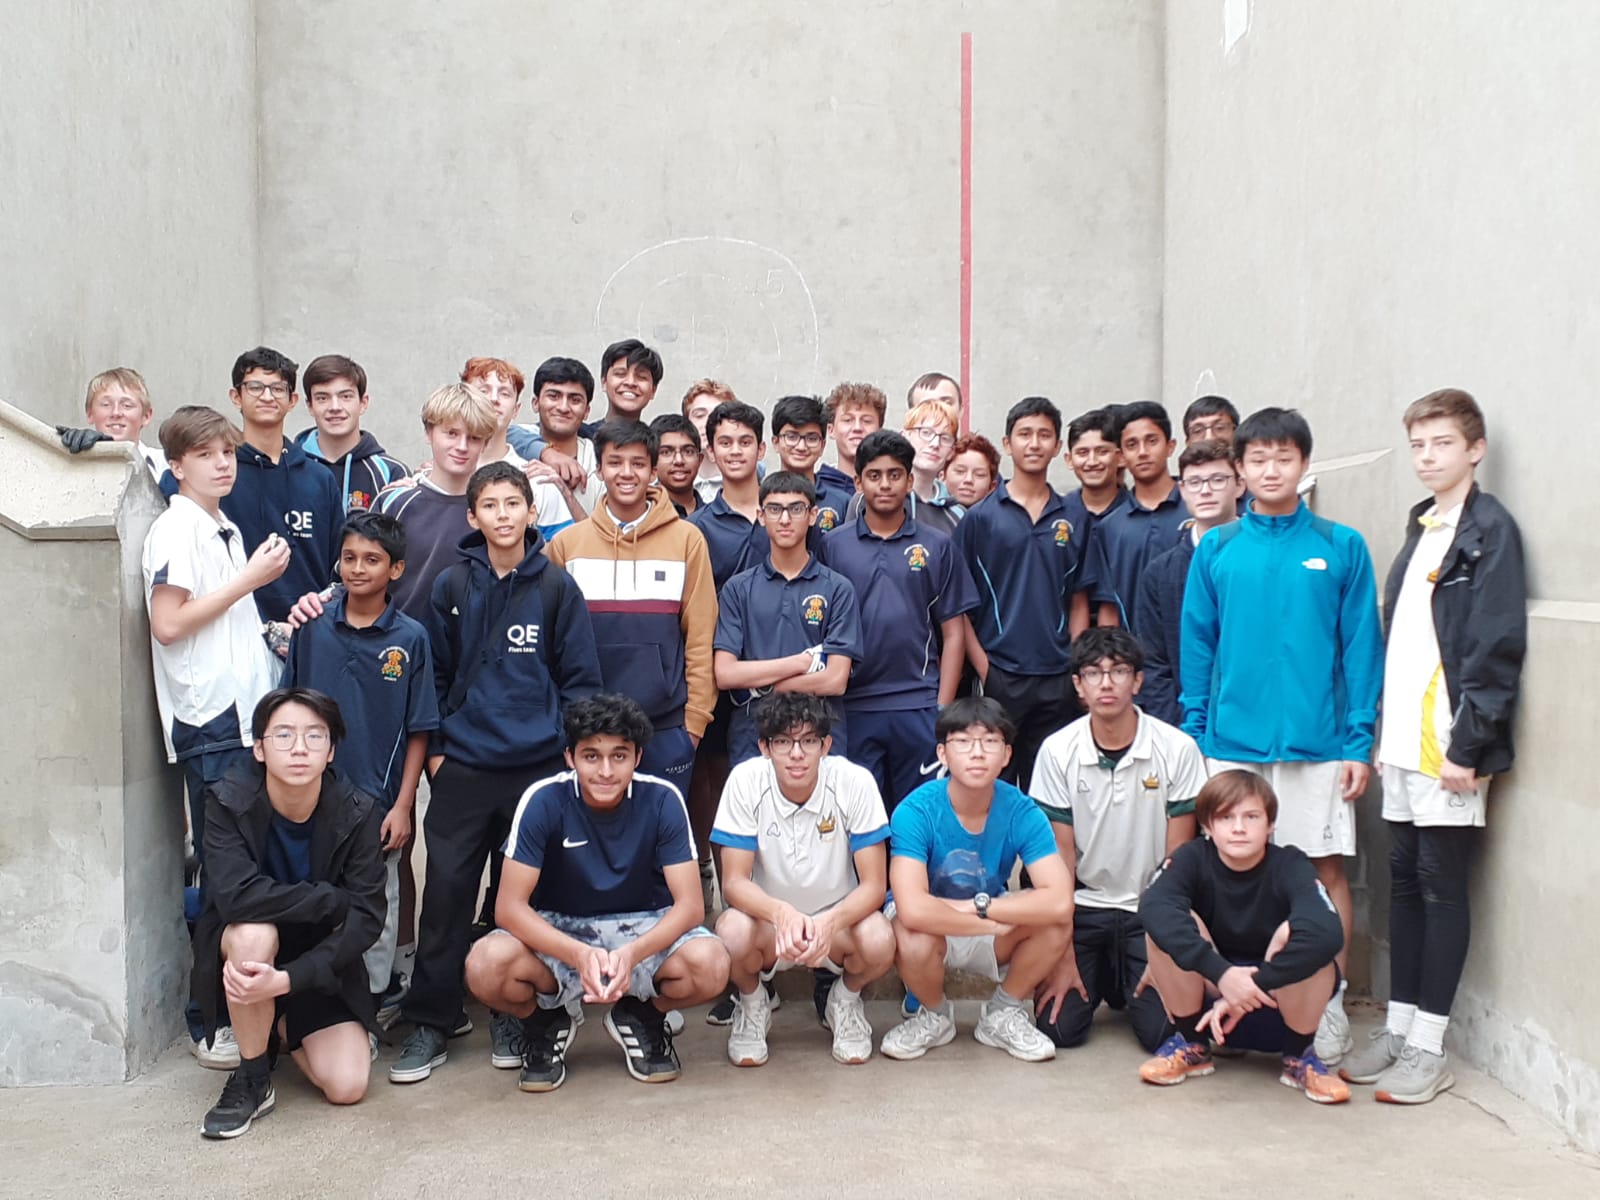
x,y
868,691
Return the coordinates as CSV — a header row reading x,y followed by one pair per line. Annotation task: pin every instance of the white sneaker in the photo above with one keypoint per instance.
x,y
747,1036
929,1028
222,1054
1333,1040
847,1017
1010,1028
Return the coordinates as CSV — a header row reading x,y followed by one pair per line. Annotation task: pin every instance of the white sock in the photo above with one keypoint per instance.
x,y
844,990
1399,1018
1427,1032
1336,1001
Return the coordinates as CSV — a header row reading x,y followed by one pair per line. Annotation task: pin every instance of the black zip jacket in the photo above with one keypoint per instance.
x,y
1480,615
344,895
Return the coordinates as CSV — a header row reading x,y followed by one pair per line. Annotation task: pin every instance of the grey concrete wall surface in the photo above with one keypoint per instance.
x,y
769,194
1365,202
92,947
128,209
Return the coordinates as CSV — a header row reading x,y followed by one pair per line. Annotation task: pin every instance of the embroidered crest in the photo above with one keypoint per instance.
x,y
827,518
917,556
816,608
824,827
392,662
1063,532
1151,783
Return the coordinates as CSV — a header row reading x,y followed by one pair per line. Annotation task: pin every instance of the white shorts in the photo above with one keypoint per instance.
x,y
1312,812
785,964
1418,799
970,953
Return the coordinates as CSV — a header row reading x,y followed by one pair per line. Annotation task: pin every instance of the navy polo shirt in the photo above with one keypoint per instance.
x,y
382,679
1026,572
734,543
1084,521
833,501
907,585
1123,542
762,615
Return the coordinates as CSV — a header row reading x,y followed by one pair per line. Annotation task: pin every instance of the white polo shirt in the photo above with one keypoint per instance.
x,y
1118,815
207,684
1416,703
804,852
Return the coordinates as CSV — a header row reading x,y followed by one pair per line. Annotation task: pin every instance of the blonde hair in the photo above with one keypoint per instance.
x,y
934,412
458,402
708,387
126,377
854,395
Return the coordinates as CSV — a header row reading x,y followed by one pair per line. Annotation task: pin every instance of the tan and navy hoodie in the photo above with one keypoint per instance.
x,y
653,604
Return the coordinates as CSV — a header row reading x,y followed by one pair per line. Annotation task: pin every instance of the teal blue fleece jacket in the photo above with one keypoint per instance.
x,y
1281,650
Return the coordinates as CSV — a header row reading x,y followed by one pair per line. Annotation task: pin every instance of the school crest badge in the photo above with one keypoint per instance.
x,y
826,519
1063,532
917,557
824,827
815,609
392,662
1151,783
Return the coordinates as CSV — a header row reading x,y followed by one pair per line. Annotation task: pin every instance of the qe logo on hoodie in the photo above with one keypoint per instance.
x,y
299,522
524,639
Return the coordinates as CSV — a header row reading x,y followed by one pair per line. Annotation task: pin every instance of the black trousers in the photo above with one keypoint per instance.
x,y
1430,924
468,818
1111,954
1039,705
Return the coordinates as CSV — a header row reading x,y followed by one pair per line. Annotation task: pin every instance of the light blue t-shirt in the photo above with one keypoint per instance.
x,y
962,864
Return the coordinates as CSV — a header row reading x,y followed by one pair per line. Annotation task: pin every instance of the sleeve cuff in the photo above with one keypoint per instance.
x,y
860,841
737,841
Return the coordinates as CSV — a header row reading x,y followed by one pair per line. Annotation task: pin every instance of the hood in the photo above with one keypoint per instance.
x,y
293,455
475,549
367,447
246,787
661,513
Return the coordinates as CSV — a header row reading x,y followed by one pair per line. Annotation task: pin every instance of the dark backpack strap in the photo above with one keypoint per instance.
x,y
456,593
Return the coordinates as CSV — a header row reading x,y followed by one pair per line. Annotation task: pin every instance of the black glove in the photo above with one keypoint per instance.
x,y
79,440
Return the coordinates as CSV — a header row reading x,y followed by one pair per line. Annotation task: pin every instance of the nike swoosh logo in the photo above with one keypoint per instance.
x,y
929,769
569,844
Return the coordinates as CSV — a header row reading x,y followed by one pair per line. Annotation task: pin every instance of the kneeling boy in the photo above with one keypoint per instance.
x,y
803,871
1242,938
599,901
294,896
955,843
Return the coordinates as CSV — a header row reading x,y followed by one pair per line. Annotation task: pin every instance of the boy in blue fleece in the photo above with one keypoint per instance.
x,y
1282,661
512,647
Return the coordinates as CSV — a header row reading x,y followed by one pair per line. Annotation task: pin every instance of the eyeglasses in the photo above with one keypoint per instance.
x,y
678,452
932,435
1122,672
1202,431
794,512
1207,483
285,738
258,389
809,440
992,743
811,743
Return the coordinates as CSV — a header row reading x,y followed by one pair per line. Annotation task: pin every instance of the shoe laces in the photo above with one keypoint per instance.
x,y
237,1089
509,1028
420,1038
1014,1022
743,1019
1310,1064
848,1020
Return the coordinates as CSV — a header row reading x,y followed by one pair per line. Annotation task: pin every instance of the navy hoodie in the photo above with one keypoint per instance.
x,y
362,473
525,665
295,498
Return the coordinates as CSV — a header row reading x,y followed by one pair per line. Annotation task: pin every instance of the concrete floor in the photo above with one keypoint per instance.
x,y
964,1121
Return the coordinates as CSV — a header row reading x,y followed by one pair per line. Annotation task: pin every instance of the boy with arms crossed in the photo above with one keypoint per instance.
x,y
336,394
293,897
599,902
1282,659
955,843
1455,607
1242,941
803,837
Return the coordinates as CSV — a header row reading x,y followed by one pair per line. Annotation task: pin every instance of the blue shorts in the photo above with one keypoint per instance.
x,y
1263,1029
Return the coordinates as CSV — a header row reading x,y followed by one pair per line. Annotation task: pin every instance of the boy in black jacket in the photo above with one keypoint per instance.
x,y
1242,938
512,648
294,896
1455,608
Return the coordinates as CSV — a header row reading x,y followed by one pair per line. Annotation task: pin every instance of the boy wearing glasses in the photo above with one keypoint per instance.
x,y
955,843
678,456
1119,787
279,488
1211,488
1210,419
294,896
804,870
789,624
797,426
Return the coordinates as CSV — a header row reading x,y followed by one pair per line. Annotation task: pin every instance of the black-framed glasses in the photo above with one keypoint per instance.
x,y
932,435
1207,483
257,389
810,743
794,512
678,452
809,440
1121,673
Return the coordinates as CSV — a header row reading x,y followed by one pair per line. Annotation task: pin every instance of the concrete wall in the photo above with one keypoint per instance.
x,y
128,151
768,194
1367,201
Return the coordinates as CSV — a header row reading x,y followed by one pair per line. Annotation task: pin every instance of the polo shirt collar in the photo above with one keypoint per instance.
x,y
1086,751
908,526
1175,496
808,571
385,619
1051,505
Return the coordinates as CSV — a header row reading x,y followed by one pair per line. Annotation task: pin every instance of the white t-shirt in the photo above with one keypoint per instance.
x,y
153,458
207,684
1118,816
550,511
804,852
1416,703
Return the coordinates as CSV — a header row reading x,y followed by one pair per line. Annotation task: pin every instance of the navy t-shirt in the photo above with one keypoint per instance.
x,y
734,543
287,854
593,863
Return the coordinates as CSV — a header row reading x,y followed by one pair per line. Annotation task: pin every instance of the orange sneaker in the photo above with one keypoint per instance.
x,y
1176,1060
1308,1074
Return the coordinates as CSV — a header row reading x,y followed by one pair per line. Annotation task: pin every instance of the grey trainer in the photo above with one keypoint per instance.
x,y
1380,1052
1418,1077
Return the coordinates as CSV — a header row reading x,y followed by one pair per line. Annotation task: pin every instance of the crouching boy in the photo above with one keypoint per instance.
x,y
1242,939
294,896
599,902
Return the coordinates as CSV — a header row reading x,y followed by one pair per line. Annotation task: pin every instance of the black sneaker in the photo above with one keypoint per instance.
x,y
641,1030
545,1038
243,1099
822,981
722,1011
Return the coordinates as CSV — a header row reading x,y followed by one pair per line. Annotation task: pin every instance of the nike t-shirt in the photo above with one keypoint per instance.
x,y
593,863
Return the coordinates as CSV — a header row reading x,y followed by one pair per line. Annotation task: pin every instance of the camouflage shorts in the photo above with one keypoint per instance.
x,y
608,933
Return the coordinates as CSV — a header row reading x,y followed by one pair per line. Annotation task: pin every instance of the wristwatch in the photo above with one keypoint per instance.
x,y
981,903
